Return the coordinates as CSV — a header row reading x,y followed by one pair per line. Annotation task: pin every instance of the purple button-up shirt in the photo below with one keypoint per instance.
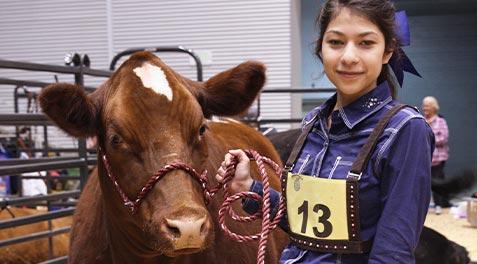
x,y
394,190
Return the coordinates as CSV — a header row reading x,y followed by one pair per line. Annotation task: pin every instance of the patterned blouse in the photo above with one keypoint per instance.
x,y
441,133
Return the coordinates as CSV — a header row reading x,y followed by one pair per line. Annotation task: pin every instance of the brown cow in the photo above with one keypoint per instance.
x,y
34,251
146,116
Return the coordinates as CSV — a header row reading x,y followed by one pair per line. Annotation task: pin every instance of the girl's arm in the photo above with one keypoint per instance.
x,y
405,193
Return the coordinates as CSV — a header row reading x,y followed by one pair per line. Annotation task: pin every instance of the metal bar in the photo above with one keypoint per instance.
x,y
23,82
59,149
34,84
45,141
60,260
34,236
27,200
50,238
8,64
22,96
35,218
56,177
180,49
15,106
33,160
26,123
79,79
24,119
84,168
16,169
55,204
36,67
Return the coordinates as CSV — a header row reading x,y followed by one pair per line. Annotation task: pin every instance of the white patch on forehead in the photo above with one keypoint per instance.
x,y
153,77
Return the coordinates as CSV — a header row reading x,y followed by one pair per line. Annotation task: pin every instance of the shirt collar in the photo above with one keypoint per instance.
x,y
358,110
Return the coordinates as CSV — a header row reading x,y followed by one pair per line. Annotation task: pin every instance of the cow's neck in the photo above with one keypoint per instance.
x,y
125,237
124,250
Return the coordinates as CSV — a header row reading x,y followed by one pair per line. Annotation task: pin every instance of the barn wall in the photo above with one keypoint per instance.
x,y
443,49
43,32
230,31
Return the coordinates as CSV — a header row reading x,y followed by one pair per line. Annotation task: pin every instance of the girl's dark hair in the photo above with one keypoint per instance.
x,y
380,12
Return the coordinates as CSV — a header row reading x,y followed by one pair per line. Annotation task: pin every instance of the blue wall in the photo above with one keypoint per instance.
x,y
312,70
444,50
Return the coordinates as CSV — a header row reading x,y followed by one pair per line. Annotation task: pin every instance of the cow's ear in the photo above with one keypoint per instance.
x,y
70,108
233,91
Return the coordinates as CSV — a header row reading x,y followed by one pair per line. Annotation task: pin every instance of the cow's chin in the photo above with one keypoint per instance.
x,y
185,251
171,247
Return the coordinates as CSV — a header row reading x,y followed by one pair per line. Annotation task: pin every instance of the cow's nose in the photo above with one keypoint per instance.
x,y
186,232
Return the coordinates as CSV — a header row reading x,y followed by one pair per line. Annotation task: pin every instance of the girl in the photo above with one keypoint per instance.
x,y
347,202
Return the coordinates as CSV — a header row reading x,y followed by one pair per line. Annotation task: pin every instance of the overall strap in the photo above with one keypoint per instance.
x,y
366,151
299,145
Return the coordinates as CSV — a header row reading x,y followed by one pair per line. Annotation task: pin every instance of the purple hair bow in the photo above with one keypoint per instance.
x,y
399,62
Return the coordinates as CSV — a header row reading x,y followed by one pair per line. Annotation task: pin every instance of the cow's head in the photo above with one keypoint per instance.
x,y
146,116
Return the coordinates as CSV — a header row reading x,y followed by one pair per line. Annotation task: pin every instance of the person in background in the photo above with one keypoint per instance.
x,y
430,107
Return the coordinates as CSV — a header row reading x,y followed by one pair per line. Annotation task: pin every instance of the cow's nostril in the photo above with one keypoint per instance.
x,y
203,227
173,230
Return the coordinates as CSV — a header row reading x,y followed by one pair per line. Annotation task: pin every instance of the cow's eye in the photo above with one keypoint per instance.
x,y
115,140
202,129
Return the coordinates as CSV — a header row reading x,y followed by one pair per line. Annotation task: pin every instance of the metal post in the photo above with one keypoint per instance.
x,y
15,104
258,113
45,141
79,80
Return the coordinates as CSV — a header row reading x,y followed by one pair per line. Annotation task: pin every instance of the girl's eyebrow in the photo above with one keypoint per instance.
x,y
360,34
335,32
367,33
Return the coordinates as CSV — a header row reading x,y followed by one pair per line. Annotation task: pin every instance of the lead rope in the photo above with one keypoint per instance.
x,y
267,224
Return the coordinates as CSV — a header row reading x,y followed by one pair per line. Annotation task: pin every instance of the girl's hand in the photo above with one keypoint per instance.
x,y
242,180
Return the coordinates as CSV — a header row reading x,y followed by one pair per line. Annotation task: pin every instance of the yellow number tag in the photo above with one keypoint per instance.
x,y
316,207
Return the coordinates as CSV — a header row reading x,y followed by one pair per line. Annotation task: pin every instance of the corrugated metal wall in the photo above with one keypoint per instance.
x,y
232,31
43,32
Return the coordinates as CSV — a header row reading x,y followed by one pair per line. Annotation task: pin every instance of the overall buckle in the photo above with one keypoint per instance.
x,y
354,176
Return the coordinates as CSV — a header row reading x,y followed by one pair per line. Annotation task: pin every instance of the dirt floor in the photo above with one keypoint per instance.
x,y
457,230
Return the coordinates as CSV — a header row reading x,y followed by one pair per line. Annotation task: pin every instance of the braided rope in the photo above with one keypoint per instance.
x,y
267,224
133,205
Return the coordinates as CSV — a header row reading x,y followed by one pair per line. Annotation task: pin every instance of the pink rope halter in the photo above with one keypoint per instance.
x,y
267,223
133,205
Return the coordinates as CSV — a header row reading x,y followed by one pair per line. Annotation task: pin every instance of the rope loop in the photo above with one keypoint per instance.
x,y
267,224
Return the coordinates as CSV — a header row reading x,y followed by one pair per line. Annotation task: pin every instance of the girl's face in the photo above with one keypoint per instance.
x,y
353,54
